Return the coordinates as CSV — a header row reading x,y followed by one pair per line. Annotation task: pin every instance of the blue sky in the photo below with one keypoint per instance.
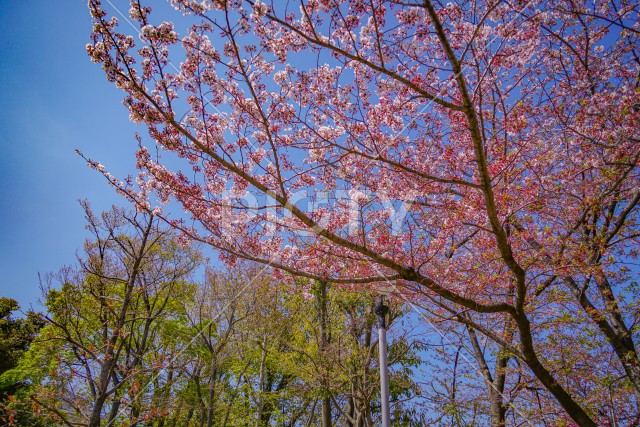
x,y
53,100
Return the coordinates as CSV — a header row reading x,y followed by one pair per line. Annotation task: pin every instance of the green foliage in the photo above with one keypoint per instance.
x,y
15,334
16,337
239,349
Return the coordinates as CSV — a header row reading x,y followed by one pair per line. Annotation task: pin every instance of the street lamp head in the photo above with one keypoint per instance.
x,y
381,310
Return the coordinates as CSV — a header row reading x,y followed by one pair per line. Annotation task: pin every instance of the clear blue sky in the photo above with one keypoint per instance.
x,y
53,100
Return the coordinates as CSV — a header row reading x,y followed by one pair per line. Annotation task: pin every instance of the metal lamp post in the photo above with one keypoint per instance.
x,y
381,310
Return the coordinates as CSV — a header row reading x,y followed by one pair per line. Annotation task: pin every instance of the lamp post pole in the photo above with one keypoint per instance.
x,y
381,310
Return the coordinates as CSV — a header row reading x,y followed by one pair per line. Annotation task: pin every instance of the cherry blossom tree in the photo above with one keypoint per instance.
x,y
482,156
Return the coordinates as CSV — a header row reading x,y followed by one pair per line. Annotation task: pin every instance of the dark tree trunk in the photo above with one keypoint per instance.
x,y
573,409
324,344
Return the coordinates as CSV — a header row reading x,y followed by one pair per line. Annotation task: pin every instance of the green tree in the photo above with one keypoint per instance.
x,y
16,335
265,353
101,356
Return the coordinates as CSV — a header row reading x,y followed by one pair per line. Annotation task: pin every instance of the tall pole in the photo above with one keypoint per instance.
x,y
381,310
